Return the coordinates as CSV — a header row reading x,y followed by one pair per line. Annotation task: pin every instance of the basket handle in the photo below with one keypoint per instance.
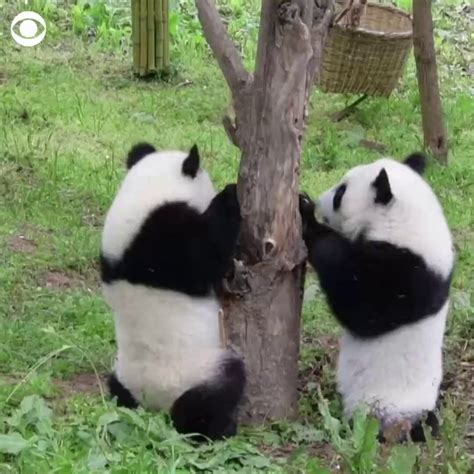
x,y
351,13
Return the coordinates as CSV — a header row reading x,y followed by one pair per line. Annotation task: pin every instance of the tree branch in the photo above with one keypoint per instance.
x,y
434,130
319,34
224,50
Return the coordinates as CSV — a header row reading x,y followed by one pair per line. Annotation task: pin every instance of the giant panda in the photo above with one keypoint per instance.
x,y
384,258
167,242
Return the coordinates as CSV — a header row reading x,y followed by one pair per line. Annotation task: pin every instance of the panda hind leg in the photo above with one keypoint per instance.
x,y
417,433
210,409
123,395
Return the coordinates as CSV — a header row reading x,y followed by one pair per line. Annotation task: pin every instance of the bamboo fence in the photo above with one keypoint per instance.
x,y
150,36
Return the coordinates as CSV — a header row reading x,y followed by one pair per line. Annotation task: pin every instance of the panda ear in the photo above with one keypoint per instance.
x,y
383,192
137,152
417,162
191,163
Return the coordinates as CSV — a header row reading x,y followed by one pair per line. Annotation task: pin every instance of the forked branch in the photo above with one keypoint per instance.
x,y
319,34
224,50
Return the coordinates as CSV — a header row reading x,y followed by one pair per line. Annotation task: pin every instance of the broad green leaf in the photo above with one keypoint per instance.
x,y
108,418
403,459
369,448
12,443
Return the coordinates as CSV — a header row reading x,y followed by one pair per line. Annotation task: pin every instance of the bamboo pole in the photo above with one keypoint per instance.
x,y
159,34
143,38
151,36
166,34
136,35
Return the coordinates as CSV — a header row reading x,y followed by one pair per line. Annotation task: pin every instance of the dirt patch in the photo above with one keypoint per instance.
x,y
86,383
322,451
93,220
82,383
60,280
22,244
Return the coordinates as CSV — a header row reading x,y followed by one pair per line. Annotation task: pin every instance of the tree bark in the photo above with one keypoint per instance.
x,y
262,305
434,130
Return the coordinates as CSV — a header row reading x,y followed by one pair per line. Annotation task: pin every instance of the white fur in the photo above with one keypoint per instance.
x,y
155,179
398,374
167,341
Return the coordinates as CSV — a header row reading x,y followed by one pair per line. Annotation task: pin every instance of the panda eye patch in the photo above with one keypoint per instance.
x,y
338,196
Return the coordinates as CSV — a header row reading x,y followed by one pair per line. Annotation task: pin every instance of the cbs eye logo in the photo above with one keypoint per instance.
x,y
27,24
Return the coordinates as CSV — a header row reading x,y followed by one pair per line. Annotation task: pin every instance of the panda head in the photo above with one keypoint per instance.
x,y
153,179
170,175
368,194
389,201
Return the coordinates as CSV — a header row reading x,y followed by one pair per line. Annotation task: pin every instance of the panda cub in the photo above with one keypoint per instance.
x,y
384,257
167,241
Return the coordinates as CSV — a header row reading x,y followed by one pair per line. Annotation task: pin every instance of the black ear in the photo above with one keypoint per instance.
x,y
383,193
417,162
137,152
191,163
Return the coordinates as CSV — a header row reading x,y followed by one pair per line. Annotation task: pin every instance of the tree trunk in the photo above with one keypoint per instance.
x,y
432,114
262,305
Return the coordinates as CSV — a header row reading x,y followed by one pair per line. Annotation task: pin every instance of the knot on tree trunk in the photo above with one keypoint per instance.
x,y
236,282
290,12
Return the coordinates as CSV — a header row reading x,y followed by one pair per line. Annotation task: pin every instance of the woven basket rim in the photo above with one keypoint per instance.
x,y
380,34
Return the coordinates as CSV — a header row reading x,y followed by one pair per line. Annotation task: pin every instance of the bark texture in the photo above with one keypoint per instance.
x,y
262,305
434,130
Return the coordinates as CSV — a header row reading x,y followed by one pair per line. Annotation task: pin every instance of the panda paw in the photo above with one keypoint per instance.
x,y
307,210
307,207
229,202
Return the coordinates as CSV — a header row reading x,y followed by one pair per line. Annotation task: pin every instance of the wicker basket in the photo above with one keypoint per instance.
x,y
369,59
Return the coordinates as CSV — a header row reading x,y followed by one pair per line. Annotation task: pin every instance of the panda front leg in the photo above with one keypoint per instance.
x,y
330,254
223,226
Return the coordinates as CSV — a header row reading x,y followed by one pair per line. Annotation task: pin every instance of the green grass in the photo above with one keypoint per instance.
x,y
69,110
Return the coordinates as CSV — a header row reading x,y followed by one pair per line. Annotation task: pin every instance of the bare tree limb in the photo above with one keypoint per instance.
x,y
231,130
434,129
223,48
319,34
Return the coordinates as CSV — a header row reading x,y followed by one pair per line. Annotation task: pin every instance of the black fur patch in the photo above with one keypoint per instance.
x,y
124,397
383,192
191,163
417,433
179,249
417,162
372,287
210,409
337,201
139,151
